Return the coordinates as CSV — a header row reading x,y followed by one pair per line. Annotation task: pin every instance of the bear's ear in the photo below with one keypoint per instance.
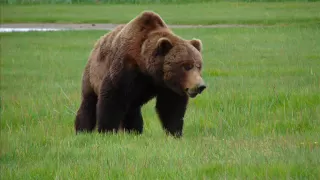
x,y
163,46
196,43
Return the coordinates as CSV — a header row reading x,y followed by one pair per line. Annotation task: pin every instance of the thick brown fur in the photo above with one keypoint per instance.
x,y
131,65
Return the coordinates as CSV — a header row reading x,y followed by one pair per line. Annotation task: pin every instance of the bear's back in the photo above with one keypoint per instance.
x,y
99,60
112,50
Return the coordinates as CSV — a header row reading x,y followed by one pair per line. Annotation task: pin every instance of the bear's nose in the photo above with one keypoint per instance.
x,y
201,87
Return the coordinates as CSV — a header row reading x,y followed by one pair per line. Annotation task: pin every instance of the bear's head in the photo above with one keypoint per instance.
x,y
175,62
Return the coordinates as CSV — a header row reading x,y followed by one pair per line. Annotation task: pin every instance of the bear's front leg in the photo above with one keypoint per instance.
x,y
111,107
171,108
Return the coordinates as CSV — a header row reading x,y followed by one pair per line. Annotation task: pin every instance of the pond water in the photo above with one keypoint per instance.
x,y
29,29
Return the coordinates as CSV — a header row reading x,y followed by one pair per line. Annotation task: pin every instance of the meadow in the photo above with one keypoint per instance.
x,y
195,13
258,118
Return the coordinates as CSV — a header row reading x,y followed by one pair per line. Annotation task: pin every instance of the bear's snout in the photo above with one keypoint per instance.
x,y
197,89
201,87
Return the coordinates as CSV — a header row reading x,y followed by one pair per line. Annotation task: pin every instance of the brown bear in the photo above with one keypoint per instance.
x,y
133,64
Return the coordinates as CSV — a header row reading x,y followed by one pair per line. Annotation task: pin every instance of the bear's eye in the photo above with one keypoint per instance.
x,y
187,67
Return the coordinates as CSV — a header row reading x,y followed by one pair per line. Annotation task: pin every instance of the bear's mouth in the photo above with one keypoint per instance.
x,y
191,93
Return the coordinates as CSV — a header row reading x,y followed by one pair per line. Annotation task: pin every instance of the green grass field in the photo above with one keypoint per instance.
x,y
258,119
199,13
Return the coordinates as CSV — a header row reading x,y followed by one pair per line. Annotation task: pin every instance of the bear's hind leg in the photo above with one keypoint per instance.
x,y
86,115
111,108
133,122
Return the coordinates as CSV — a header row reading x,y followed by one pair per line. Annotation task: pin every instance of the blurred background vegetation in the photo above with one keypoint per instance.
x,y
136,1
